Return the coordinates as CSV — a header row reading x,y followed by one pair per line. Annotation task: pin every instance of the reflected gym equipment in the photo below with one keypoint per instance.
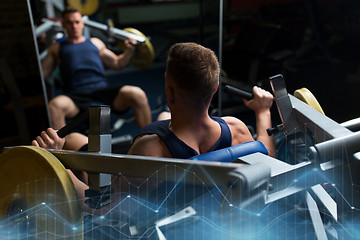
x,y
86,7
144,54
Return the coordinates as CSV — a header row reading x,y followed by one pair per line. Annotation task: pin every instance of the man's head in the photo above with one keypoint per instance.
x,y
194,69
72,22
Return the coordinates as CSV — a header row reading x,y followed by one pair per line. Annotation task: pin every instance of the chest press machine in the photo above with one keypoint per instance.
x,y
144,55
38,194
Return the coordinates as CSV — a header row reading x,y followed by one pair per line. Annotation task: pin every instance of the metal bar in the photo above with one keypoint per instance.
x,y
336,148
319,124
99,141
315,218
141,166
353,124
221,12
115,32
326,200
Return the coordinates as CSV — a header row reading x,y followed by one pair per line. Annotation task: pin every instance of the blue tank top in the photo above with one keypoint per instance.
x,y
177,147
81,67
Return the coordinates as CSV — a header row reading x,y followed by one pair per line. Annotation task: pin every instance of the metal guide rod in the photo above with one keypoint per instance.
x,y
336,148
353,124
99,141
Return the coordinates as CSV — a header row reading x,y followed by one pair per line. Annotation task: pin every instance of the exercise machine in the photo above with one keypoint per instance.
x,y
326,155
144,55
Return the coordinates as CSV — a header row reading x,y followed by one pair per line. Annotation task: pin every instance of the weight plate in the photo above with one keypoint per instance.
x,y
35,178
307,97
144,54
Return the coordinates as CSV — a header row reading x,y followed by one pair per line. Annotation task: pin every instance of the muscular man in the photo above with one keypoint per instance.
x,y
191,79
82,62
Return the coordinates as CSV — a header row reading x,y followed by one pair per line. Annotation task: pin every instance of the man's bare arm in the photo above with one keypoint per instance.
x,y
149,145
49,63
261,104
239,131
110,59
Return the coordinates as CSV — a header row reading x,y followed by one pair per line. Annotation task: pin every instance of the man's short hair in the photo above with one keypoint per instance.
x,y
69,10
194,68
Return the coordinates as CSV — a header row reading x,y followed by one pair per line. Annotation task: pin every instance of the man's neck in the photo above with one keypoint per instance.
x,y
198,131
76,39
188,121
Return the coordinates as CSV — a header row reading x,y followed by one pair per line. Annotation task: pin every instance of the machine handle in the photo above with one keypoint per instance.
x,y
76,122
238,92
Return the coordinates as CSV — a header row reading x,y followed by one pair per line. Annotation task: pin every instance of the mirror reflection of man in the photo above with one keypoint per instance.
x,y
82,64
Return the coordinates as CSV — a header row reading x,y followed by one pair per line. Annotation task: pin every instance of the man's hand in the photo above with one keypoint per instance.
x,y
49,139
130,44
261,104
262,100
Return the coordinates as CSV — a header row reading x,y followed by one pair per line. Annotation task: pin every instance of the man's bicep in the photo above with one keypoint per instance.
x,y
106,55
108,58
48,64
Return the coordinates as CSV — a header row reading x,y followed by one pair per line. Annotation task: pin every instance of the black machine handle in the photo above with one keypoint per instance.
x,y
238,92
76,122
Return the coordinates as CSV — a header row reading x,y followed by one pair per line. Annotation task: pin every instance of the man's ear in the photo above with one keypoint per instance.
x,y
170,95
217,87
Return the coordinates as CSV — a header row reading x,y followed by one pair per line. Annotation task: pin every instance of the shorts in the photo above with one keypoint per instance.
x,y
104,96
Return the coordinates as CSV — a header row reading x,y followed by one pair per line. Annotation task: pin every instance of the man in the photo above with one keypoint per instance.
x,y
191,79
82,62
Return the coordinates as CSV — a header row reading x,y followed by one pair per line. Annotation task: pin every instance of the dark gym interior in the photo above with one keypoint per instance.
x,y
313,43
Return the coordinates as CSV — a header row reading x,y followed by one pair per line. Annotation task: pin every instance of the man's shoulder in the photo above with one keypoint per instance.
x,y
54,51
233,121
239,130
149,145
97,42
54,48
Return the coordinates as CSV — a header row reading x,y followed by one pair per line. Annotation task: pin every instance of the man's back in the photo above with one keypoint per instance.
x,y
180,149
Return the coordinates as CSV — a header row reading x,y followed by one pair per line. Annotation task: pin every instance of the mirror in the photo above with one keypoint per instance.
x,y
23,101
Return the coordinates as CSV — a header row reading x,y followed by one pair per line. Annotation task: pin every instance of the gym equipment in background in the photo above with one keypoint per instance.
x,y
144,55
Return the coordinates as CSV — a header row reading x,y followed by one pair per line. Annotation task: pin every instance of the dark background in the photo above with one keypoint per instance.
x,y
313,43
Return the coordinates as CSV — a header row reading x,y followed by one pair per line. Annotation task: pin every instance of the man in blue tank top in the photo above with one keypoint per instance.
x,y
82,62
191,80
